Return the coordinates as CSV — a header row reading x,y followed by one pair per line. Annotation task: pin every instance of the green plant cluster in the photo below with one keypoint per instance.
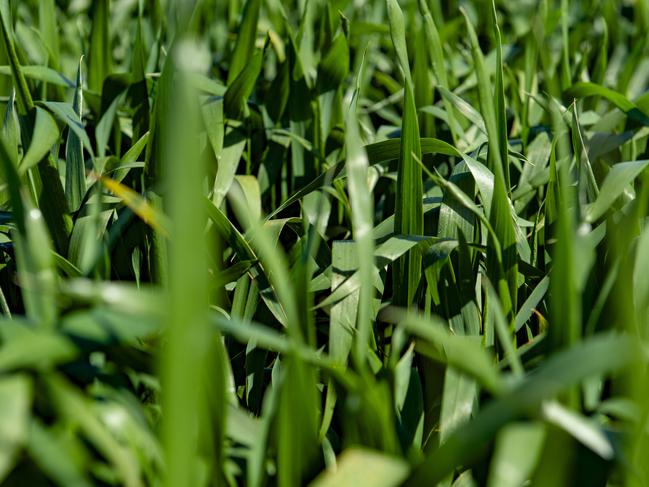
x,y
329,243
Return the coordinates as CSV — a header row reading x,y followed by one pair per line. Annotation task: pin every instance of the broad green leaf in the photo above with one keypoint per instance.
x,y
245,43
586,89
40,73
343,314
461,352
527,308
616,182
46,134
53,453
583,429
236,97
518,448
37,273
233,146
357,466
25,348
69,115
15,405
390,149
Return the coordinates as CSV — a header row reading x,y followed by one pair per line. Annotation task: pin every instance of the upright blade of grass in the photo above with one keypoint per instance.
x,y
360,196
565,329
586,183
531,60
503,271
565,45
37,268
640,277
23,95
104,128
99,56
436,54
457,222
503,333
234,102
300,112
138,92
48,28
501,116
246,38
185,358
75,167
343,315
47,24
10,130
423,85
332,72
408,217
297,423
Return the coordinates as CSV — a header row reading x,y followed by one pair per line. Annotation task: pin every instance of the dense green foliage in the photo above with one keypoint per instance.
x,y
276,242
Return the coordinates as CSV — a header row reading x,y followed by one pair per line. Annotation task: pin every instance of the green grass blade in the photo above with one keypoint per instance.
x,y
23,95
436,54
246,38
503,272
603,354
46,134
184,399
234,102
75,166
360,196
343,315
99,55
356,466
501,116
408,214
617,180
566,312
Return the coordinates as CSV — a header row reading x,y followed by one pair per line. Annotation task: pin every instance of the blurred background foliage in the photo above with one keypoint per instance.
x,y
348,242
